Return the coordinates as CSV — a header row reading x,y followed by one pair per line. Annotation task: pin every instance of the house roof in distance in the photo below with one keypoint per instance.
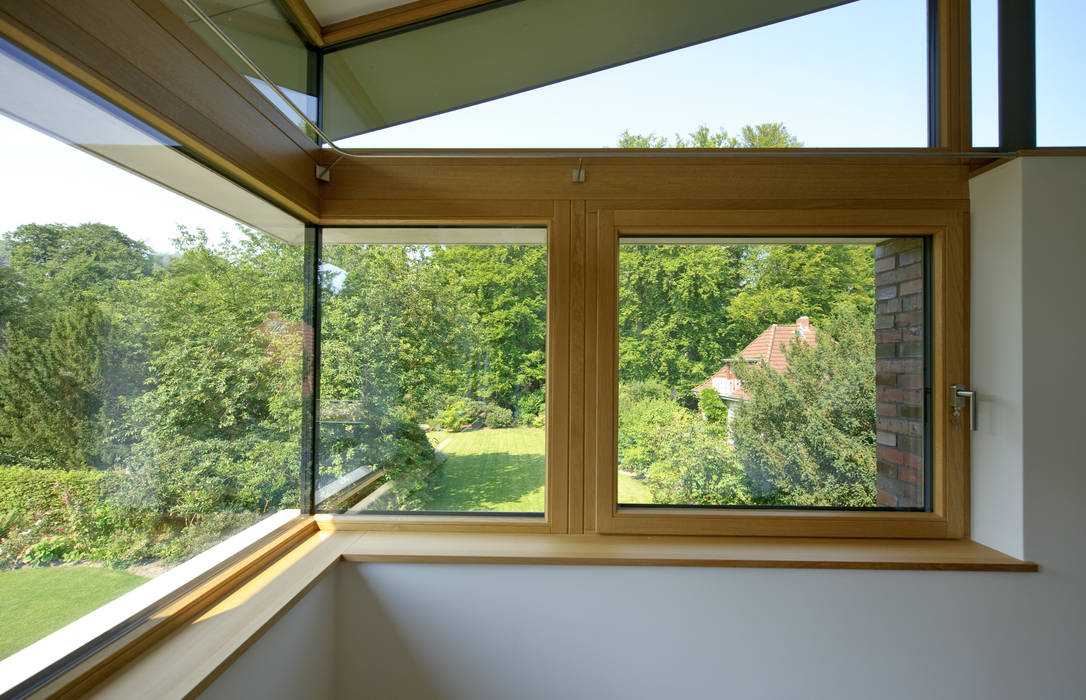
x,y
769,347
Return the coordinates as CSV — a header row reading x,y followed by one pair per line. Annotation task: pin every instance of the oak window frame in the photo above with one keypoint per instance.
x,y
554,518
949,362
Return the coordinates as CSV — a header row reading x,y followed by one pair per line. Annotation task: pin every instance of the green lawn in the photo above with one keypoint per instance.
x,y
37,601
498,470
631,490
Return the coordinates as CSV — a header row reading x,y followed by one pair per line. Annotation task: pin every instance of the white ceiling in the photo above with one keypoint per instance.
x,y
332,11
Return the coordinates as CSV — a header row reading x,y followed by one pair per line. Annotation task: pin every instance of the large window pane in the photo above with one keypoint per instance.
x,y
773,374
850,76
150,390
1061,67
433,372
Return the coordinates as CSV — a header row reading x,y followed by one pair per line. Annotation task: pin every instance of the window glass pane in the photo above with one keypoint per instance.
x,y
984,46
784,373
853,75
433,370
150,400
1061,72
262,31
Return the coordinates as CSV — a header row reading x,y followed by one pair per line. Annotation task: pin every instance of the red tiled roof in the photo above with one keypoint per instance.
x,y
768,345
769,348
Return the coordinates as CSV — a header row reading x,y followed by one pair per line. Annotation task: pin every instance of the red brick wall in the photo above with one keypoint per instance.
x,y
899,371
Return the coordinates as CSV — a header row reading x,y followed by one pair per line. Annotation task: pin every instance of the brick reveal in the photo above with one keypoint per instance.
x,y
899,378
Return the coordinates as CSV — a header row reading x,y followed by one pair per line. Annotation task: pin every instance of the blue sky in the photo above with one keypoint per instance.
x,y
850,76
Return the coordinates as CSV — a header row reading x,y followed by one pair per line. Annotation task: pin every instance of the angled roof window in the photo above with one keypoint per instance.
x,y
853,75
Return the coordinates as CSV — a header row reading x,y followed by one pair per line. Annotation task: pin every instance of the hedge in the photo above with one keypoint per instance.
x,y
32,492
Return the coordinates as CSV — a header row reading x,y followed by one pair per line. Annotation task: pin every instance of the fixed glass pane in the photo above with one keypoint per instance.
x,y
150,389
789,373
984,49
1061,67
854,75
263,32
433,373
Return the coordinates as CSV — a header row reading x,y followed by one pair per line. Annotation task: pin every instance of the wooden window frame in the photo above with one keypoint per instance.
x,y
582,333
555,217
949,470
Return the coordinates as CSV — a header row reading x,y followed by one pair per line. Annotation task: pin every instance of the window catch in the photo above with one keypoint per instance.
x,y
958,396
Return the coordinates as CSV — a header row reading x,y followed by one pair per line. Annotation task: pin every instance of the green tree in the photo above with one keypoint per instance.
x,y
506,288
784,282
768,135
712,406
693,464
673,312
57,264
50,391
675,322
807,437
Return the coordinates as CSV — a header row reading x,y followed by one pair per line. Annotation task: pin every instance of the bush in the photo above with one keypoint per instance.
x,y
413,459
530,405
498,417
712,406
639,427
458,413
643,390
58,515
28,492
692,464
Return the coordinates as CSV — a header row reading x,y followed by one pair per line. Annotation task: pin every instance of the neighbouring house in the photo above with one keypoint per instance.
x,y
769,347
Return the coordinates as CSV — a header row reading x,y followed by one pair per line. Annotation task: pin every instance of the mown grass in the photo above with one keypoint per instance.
x,y
39,600
498,470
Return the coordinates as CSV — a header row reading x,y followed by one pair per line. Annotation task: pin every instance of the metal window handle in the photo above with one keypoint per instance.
x,y
958,395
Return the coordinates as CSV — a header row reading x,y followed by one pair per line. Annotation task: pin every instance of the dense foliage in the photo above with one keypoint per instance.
x,y
175,383
150,404
805,437
808,436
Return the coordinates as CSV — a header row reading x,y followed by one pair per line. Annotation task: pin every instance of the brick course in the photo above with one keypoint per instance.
x,y
899,378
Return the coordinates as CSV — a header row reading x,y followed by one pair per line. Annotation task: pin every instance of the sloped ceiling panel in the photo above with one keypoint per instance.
x,y
515,46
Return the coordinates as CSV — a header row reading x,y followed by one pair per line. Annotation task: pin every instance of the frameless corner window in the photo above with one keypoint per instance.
x,y
150,364
433,370
773,373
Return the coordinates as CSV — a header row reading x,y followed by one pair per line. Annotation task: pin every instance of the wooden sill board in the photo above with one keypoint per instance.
x,y
184,664
615,550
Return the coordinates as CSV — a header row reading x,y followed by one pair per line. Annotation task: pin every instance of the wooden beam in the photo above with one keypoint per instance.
x,y
305,21
955,79
393,18
799,181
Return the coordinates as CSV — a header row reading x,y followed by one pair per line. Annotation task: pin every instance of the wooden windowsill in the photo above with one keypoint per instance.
x,y
621,550
186,662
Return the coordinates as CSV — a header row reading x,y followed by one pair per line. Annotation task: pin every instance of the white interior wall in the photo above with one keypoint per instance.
x,y
293,659
996,357
423,631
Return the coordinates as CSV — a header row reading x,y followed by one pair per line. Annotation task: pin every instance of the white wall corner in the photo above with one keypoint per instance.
x,y
996,360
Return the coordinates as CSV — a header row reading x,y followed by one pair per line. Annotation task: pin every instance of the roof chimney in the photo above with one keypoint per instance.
x,y
803,322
